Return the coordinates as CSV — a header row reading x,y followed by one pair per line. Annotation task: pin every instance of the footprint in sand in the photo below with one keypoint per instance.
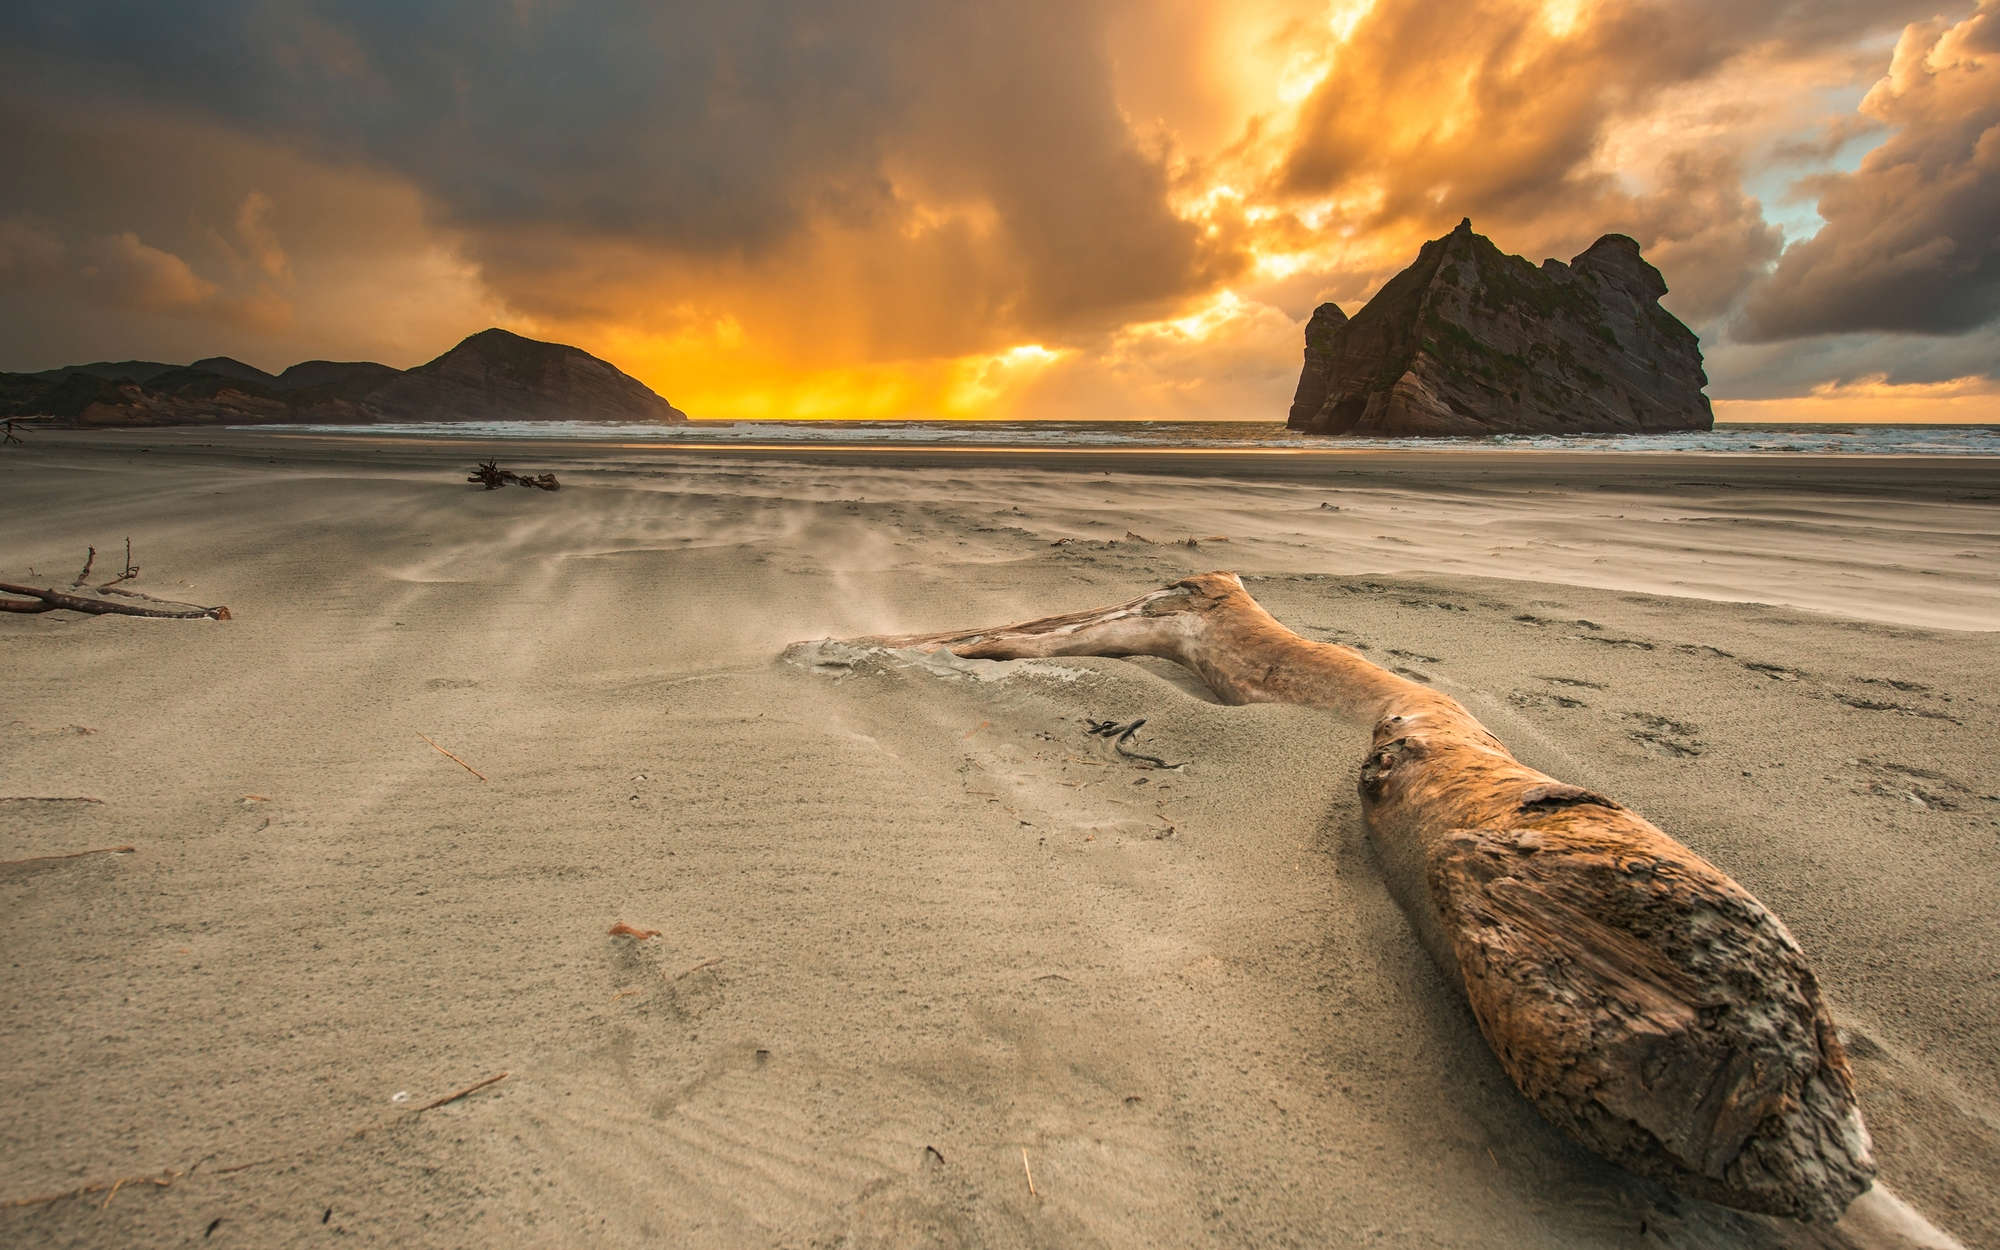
x,y
1543,698
1919,787
1672,738
1881,705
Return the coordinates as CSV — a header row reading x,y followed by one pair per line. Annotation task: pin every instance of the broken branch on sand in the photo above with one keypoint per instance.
x,y
96,850
49,599
453,758
489,474
1642,1000
475,1087
163,1180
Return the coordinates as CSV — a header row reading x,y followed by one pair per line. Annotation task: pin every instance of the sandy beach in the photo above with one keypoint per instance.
x,y
933,966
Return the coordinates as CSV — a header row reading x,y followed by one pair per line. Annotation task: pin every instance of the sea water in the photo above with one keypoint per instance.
x,y
1817,439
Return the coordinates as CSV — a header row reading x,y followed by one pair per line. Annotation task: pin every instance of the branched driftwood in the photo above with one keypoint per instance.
x,y
10,428
1641,999
489,474
49,599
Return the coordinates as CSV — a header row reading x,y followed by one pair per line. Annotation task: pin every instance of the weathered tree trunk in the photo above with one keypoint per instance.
x,y
1642,1000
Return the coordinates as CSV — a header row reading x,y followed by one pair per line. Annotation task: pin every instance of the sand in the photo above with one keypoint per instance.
x,y
913,922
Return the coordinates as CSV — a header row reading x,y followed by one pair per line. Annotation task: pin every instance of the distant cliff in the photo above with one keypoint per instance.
x,y
1470,340
491,376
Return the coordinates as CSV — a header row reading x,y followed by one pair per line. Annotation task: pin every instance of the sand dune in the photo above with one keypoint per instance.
x,y
913,921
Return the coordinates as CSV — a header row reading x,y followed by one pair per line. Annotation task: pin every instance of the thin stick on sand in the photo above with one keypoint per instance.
x,y
163,1180
1030,1171
472,1088
1643,1001
96,850
453,758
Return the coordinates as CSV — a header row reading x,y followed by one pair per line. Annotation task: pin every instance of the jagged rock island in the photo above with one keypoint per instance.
x,y
493,375
1470,340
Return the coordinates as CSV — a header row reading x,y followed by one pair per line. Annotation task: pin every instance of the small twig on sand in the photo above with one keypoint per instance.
x,y
99,850
472,1088
1030,1171
688,972
89,558
448,755
163,1180
112,588
245,1167
621,929
1120,735
131,571
48,798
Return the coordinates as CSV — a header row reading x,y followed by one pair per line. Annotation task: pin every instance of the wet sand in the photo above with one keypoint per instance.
x,y
913,921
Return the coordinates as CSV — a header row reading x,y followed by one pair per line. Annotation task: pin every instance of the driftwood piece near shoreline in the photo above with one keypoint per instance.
x,y
92,599
489,474
1642,1000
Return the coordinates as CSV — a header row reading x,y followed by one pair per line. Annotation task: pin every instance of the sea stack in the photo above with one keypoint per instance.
x,y
1470,340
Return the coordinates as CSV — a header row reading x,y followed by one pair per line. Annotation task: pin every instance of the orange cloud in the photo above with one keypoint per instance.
x,y
1875,399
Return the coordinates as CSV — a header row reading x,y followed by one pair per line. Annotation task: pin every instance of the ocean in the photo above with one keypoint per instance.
x,y
1745,439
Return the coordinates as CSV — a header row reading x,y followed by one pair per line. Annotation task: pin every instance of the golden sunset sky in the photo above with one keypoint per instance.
x,y
1085,209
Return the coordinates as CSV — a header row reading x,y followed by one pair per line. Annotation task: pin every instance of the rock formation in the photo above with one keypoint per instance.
x,y
1469,340
491,376
497,376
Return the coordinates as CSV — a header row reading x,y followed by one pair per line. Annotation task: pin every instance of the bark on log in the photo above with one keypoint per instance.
x,y
1642,1000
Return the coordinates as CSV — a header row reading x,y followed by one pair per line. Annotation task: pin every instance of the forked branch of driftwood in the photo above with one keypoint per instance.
x,y
1642,1000
93,600
489,474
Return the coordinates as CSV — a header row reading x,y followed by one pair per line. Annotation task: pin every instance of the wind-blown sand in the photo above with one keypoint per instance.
x,y
913,921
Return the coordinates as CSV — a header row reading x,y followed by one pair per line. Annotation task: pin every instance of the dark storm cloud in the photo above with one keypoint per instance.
x,y
1778,370
706,129
1909,242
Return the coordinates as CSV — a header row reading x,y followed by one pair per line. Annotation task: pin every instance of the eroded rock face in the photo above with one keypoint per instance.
x,y
1469,340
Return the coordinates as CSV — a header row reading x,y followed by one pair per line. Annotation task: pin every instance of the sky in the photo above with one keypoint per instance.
x,y
1072,209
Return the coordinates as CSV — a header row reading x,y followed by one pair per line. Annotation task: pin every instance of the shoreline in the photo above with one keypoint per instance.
x,y
1901,540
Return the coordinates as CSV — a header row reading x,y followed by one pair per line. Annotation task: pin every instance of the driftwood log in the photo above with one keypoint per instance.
x,y
93,600
1642,1000
489,474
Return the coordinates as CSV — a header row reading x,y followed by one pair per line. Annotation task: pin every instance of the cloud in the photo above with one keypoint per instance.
x,y
125,272
1492,107
29,250
1874,398
260,240
979,142
1909,243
